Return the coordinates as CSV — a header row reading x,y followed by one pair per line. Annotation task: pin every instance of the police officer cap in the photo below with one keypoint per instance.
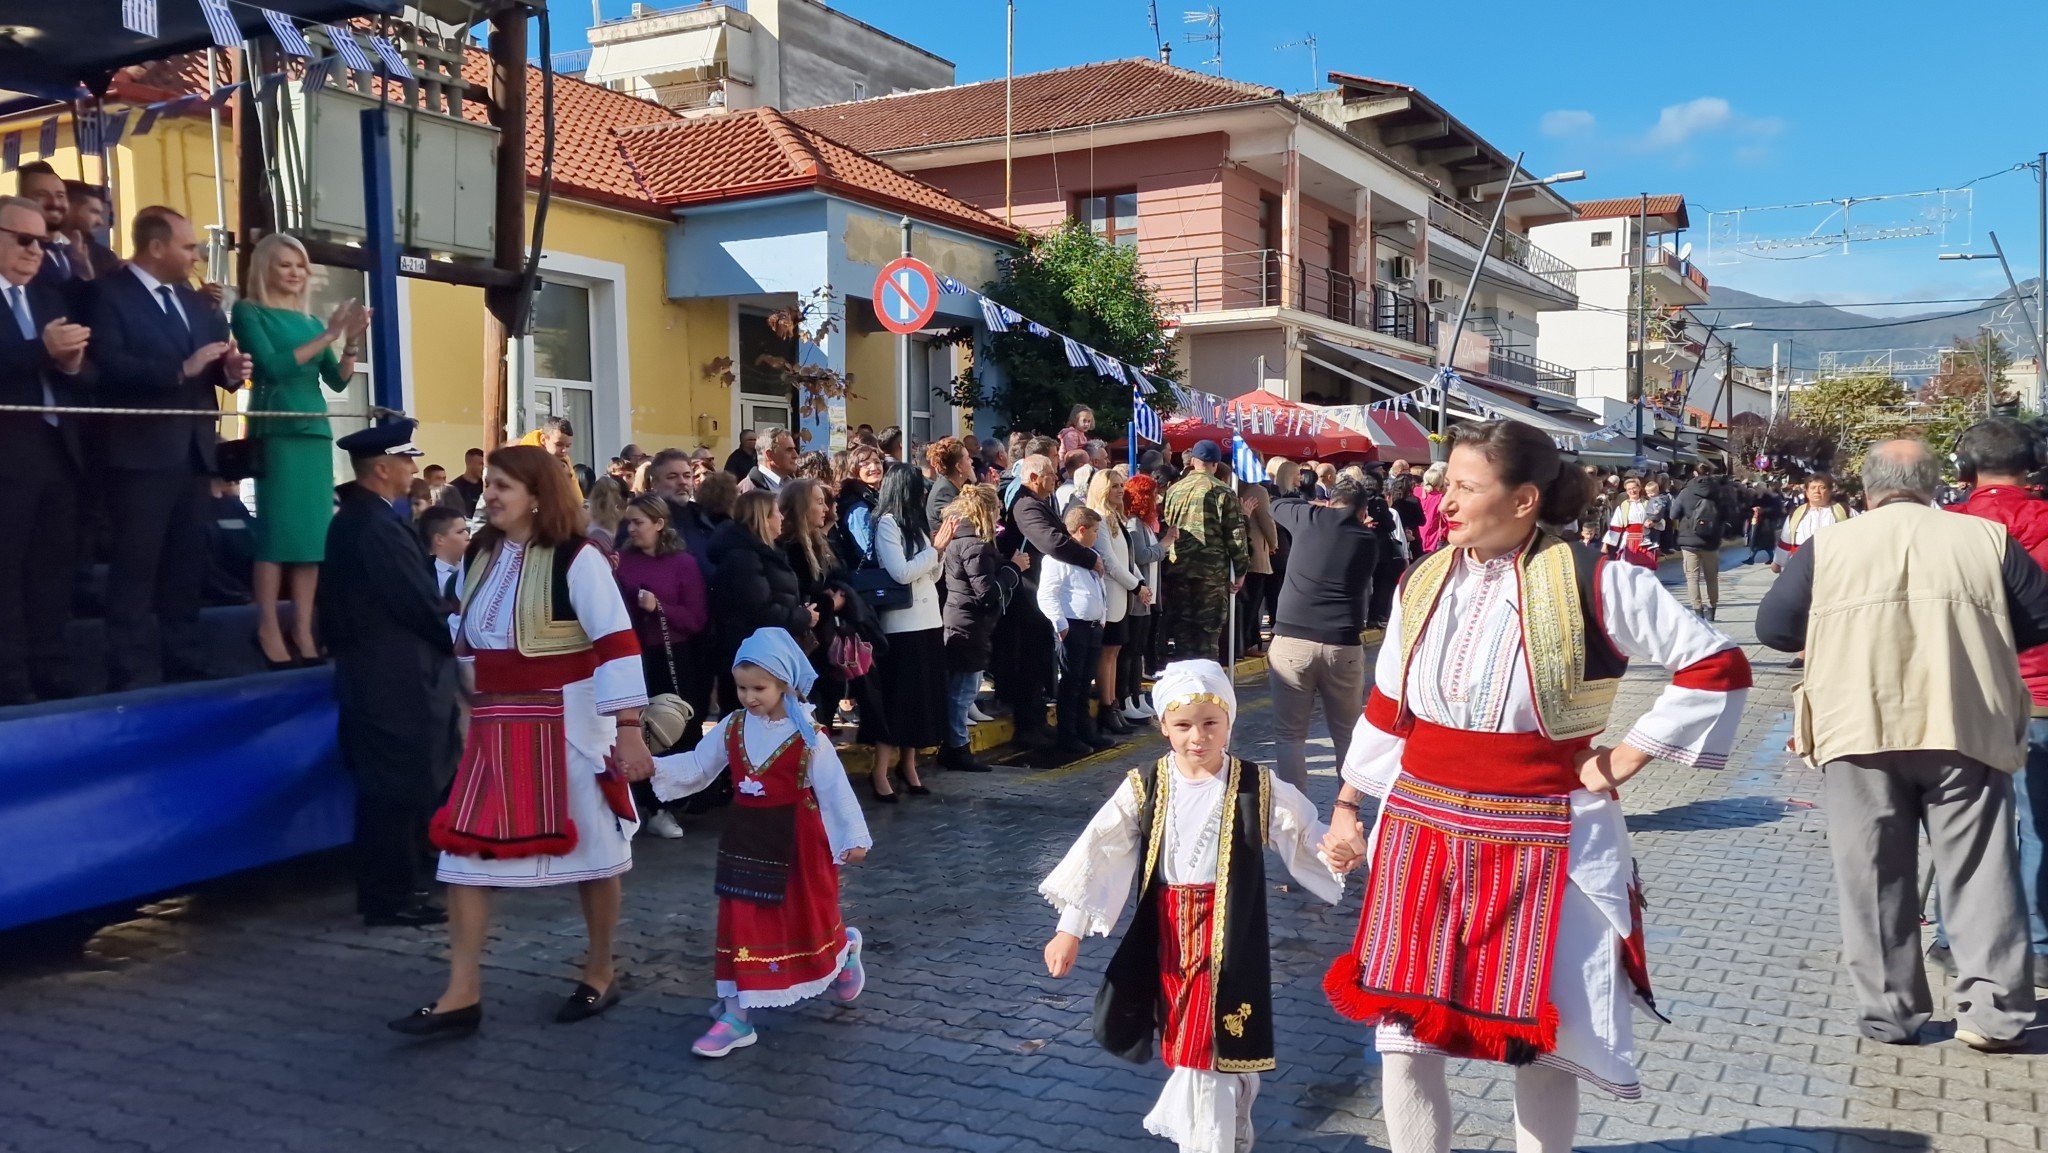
x,y
391,439
1207,452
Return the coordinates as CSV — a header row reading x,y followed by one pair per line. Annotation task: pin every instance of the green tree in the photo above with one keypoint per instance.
x,y
1963,372
1073,283
1853,411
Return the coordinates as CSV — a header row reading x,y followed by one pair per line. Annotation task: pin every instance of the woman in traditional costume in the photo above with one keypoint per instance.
x,y
542,794
1501,914
793,822
1630,533
1194,969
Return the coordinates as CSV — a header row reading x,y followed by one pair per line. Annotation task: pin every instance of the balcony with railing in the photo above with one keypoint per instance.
x,y
1657,256
1260,278
1508,247
1520,368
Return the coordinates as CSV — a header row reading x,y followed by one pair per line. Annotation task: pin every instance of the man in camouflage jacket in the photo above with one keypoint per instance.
x,y
1209,554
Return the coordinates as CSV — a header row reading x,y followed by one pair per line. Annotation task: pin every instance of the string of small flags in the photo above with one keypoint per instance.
x,y
96,129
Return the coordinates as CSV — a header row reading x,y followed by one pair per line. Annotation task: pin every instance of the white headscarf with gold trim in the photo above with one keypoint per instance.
x,y
1185,682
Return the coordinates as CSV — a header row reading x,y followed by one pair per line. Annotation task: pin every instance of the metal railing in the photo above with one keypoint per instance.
x,y
1230,281
1660,257
1520,368
1510,247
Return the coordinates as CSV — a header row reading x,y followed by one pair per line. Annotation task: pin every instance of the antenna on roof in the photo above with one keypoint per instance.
x,y
1315,74
1211,33
1158,41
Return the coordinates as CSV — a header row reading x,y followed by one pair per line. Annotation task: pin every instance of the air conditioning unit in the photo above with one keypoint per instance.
x,y
1438,291
1401,267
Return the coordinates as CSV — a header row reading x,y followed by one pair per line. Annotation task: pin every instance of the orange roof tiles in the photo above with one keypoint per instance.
x,y
1089,94
588,162
760,152
1672,207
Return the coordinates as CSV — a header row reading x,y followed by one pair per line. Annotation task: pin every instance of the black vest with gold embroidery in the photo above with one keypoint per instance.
x,y
1128,1010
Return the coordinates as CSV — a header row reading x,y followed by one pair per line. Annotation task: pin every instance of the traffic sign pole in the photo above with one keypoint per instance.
x,y
906,298
903,361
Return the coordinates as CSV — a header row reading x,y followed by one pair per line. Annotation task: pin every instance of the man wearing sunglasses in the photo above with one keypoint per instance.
x,y
158,343
42,362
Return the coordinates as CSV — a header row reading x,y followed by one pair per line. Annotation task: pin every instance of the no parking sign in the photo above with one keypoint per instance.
x,y
906,295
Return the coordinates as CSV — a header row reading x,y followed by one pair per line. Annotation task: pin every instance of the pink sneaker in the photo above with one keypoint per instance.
x,y
854,976
728,1034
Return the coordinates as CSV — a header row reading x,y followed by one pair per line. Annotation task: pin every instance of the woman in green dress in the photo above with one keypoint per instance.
x,y
293,353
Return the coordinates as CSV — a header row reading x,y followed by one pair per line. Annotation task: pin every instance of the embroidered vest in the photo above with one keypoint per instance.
x,y
1573,669
544,620
1128,1015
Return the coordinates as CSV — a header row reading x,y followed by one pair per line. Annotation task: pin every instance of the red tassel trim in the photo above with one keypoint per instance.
x,y
447,838
1434,1023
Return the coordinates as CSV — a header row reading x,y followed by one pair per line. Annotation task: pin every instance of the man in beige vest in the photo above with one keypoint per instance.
x,y
1912,622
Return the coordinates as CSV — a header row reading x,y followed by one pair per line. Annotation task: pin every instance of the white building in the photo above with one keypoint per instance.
x,y
1606,241
767,53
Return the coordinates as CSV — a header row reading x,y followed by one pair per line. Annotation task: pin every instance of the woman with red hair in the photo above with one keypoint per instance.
x,y
1141,619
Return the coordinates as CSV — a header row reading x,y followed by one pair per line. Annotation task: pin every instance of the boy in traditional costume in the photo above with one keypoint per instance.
x,y
1194,968
793,822
1501,912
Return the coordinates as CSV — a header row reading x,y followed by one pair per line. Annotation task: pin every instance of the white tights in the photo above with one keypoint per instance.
x,y
1417,1103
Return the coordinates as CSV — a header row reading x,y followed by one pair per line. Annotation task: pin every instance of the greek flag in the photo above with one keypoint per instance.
x,y
117,127
221,23
345,46
951,287
87,130
225,93
316,75
992,314
1138,378
46,138
287,33
139,16
1250,469
1077,357
394,60
1037,329
1145,422
10,152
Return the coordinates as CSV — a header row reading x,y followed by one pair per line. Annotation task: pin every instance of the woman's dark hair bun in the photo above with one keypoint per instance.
x,y
1523,455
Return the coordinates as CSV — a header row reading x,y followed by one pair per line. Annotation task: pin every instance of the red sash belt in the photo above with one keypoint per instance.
x,y
1510,764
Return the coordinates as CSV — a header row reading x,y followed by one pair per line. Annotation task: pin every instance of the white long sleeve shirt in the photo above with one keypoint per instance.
x,y
1067,593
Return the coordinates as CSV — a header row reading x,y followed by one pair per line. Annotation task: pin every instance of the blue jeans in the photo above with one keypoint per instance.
x,y
2030,815
960,692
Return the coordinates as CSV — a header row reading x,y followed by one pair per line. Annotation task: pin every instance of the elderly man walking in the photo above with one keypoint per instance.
x,y
1912,621
1209,555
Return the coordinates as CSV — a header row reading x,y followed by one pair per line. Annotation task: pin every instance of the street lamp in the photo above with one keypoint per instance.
x,y
1727,384
2033,330
1445,352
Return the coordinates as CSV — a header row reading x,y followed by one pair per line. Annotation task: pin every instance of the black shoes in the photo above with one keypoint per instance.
x,y
417,916
1072,749
1033,738
586,1003
424,1022
1109,721
960,759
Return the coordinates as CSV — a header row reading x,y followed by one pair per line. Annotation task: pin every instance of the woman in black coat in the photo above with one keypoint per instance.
x,y
821,577
853,534
973,603
752,585
1386,577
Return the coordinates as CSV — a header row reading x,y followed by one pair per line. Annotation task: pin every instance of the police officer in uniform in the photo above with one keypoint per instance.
x,y
395,675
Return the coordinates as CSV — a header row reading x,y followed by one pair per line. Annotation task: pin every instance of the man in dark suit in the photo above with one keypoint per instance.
x,y
395,675
88,216
159,344
39,182
42,362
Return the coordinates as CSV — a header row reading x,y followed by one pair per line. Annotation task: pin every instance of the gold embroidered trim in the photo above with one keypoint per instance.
x,y
1554,641
1195,699
1263,1065
1158,835
1226,836
535,632
1233,1023
1419,593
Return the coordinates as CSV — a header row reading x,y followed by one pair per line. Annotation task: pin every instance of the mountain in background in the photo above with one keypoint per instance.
x,y
1803,330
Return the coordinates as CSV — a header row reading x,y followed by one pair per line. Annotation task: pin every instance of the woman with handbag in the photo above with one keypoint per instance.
x,y
665,595
855,523
910,673
837,654
540,797
752,585
291,355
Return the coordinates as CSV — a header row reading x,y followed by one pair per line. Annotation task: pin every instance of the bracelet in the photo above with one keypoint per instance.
x,y
626,724
1352,805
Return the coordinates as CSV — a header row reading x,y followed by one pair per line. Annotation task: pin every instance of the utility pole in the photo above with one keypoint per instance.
x,y
1642,316
1009,113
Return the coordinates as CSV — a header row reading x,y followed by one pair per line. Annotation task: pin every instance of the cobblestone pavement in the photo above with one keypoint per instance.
x,y
250,1017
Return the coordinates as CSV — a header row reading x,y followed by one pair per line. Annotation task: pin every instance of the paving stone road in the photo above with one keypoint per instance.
x,y
250,1016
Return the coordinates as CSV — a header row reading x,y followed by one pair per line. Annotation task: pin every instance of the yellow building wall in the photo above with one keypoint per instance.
x,y
871,360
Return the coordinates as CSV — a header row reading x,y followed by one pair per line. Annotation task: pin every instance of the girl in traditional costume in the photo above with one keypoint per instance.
x,y
793,822
541,796
1501,914
1631,533
1194,969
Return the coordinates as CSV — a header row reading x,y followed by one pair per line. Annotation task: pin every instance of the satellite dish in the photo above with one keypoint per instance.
x,y
1686,252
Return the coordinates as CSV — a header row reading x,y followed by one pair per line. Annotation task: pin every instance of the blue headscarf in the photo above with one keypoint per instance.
x,y
775,652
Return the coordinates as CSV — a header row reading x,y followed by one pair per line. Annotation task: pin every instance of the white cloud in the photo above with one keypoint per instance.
x,y
1678,124
1566,122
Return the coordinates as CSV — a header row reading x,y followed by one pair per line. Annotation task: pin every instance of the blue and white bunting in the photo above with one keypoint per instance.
x,y
315,79
1037,329
287,33
46,137
951,287
1249,468
139,16
992,314
1077,357
86,130
1146,424
268,86
147,120
221,23
395,62
10,152
117,127
1140,382
223,94
345,46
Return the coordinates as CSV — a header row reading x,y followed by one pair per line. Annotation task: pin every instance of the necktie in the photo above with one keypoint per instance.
x,y
58,260
17,302
170,306
448,586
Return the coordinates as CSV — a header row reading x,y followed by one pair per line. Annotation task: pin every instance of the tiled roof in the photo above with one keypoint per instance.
x,y
1091,94
1672,207
760,152
167,79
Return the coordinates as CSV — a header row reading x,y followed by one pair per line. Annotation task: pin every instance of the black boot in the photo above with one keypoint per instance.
x,y
1111,722
1092,736
960,758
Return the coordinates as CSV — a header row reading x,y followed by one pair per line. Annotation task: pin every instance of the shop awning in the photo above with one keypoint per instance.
x,y
1556,424
657,55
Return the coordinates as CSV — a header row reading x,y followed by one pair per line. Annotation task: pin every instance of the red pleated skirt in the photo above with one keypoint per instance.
x,y
766,948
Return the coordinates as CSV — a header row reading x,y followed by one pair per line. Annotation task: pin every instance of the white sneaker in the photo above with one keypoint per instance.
x,y
1143,708
976,716
1131,713
663,824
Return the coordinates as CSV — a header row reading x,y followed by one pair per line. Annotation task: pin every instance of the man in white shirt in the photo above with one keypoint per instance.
x,y
1072,598
778,463
446,536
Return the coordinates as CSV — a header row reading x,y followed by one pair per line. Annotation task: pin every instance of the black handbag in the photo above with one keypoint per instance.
x,y
238,459
873,584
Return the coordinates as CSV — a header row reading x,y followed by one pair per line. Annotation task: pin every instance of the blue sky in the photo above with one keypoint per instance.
x,y
1744,104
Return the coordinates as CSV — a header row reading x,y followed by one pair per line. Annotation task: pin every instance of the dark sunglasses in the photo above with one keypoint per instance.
x,y
24,239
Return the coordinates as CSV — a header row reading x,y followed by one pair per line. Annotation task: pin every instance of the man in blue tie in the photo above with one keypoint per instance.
x,y
159,344
39,182
42,362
